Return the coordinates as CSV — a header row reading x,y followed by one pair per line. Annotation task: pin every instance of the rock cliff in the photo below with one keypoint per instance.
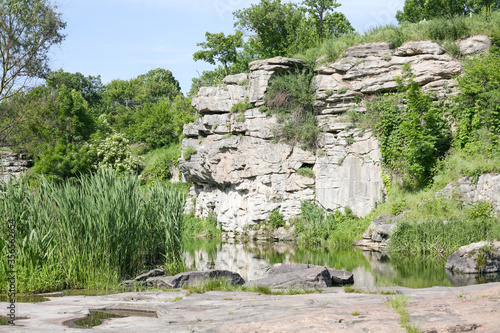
x,y
242,174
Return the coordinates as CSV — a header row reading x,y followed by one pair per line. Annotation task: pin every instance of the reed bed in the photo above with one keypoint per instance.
x,y
89,233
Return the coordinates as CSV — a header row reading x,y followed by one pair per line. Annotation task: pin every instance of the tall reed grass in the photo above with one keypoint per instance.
x,y
89,233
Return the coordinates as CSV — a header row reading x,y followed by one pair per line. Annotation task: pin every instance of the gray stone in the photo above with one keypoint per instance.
x,y
419,47
341,277
487,188
197,277
474,44
12,165
276,64
151,273
475,258
161,282
369,49
281,276
236,79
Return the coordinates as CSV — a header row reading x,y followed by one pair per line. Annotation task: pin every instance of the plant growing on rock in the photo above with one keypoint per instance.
x,y
292,96
188,152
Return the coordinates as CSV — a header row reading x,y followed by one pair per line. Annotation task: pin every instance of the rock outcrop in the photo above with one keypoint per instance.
x,y
12,165
242,174
469,190
281,276
475,258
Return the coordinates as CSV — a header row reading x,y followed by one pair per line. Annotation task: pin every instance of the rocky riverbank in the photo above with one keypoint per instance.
x,y
438,309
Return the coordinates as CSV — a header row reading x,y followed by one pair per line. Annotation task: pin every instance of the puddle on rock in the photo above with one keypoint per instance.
x,y
96,318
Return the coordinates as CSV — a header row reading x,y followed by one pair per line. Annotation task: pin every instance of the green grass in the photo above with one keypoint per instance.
x,y
89,233
440,30
159,162
351,290
188,152
306,172
399,304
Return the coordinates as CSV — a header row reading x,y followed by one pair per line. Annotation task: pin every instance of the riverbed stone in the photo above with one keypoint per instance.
x,y
281,276
476,258
196,277
341,277
151,273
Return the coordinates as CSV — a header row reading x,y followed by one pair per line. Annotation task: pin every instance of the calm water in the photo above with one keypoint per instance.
x,y
371,269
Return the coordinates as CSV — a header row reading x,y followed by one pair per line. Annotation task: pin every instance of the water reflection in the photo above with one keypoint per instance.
x,y
371,269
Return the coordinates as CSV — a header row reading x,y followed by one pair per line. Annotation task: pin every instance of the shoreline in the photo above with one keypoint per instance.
x,y
437,309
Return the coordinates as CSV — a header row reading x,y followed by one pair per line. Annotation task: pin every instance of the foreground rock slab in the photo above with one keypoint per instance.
x,y
437,309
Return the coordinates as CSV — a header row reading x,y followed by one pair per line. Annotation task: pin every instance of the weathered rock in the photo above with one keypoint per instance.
x,y
381,228
475,258
238,171
341,277
281,276
474,44
276,64
12,165
418,47
151,273
193,278
487,188
161,282
284,234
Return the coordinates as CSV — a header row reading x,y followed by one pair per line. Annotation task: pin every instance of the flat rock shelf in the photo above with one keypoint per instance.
x,y
437,309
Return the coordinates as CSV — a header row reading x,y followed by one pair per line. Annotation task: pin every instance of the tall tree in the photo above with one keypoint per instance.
x,y
90,87
273,27
220,48
318,9
28,28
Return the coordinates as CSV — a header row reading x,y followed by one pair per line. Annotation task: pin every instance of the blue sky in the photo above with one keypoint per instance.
x,y
121,39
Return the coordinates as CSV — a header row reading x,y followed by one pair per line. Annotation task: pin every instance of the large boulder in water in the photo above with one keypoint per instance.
x,y
475,258
302,275
193,278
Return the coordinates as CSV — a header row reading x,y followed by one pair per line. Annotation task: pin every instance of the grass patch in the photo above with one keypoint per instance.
x,y
399,304
306,172
241,106
351,290
188,152
159,162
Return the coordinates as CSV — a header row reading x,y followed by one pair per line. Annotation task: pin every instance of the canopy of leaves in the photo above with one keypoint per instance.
x,y
28,28
220,48
90,87
154,85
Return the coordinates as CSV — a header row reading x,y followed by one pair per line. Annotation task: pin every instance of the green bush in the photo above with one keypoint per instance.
x,y
276,220
159,162
241,106
292,96
315,226
240,118
188,152
195,226
306,172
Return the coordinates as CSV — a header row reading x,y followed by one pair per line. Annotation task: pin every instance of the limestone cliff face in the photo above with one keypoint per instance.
x,y
242,174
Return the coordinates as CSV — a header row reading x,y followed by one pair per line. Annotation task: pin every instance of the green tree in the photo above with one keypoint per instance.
x,y
154,85
318,9
273,27
90,87
28,28
220,48
336,25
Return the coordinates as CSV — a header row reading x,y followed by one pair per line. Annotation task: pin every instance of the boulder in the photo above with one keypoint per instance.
x,y
419,47
276,64
193,278
476,258
474,44
341,277
381,228
302,275
151,273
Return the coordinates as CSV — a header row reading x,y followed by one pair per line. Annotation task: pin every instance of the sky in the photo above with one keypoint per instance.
x,y
121,39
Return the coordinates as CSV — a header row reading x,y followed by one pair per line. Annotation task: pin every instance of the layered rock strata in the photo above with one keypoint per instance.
x,y
242,173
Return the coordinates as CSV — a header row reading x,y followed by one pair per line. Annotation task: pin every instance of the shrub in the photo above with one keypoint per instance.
x,y
240,118
306,172
159,162
188,152
276,220
241,106
292,96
